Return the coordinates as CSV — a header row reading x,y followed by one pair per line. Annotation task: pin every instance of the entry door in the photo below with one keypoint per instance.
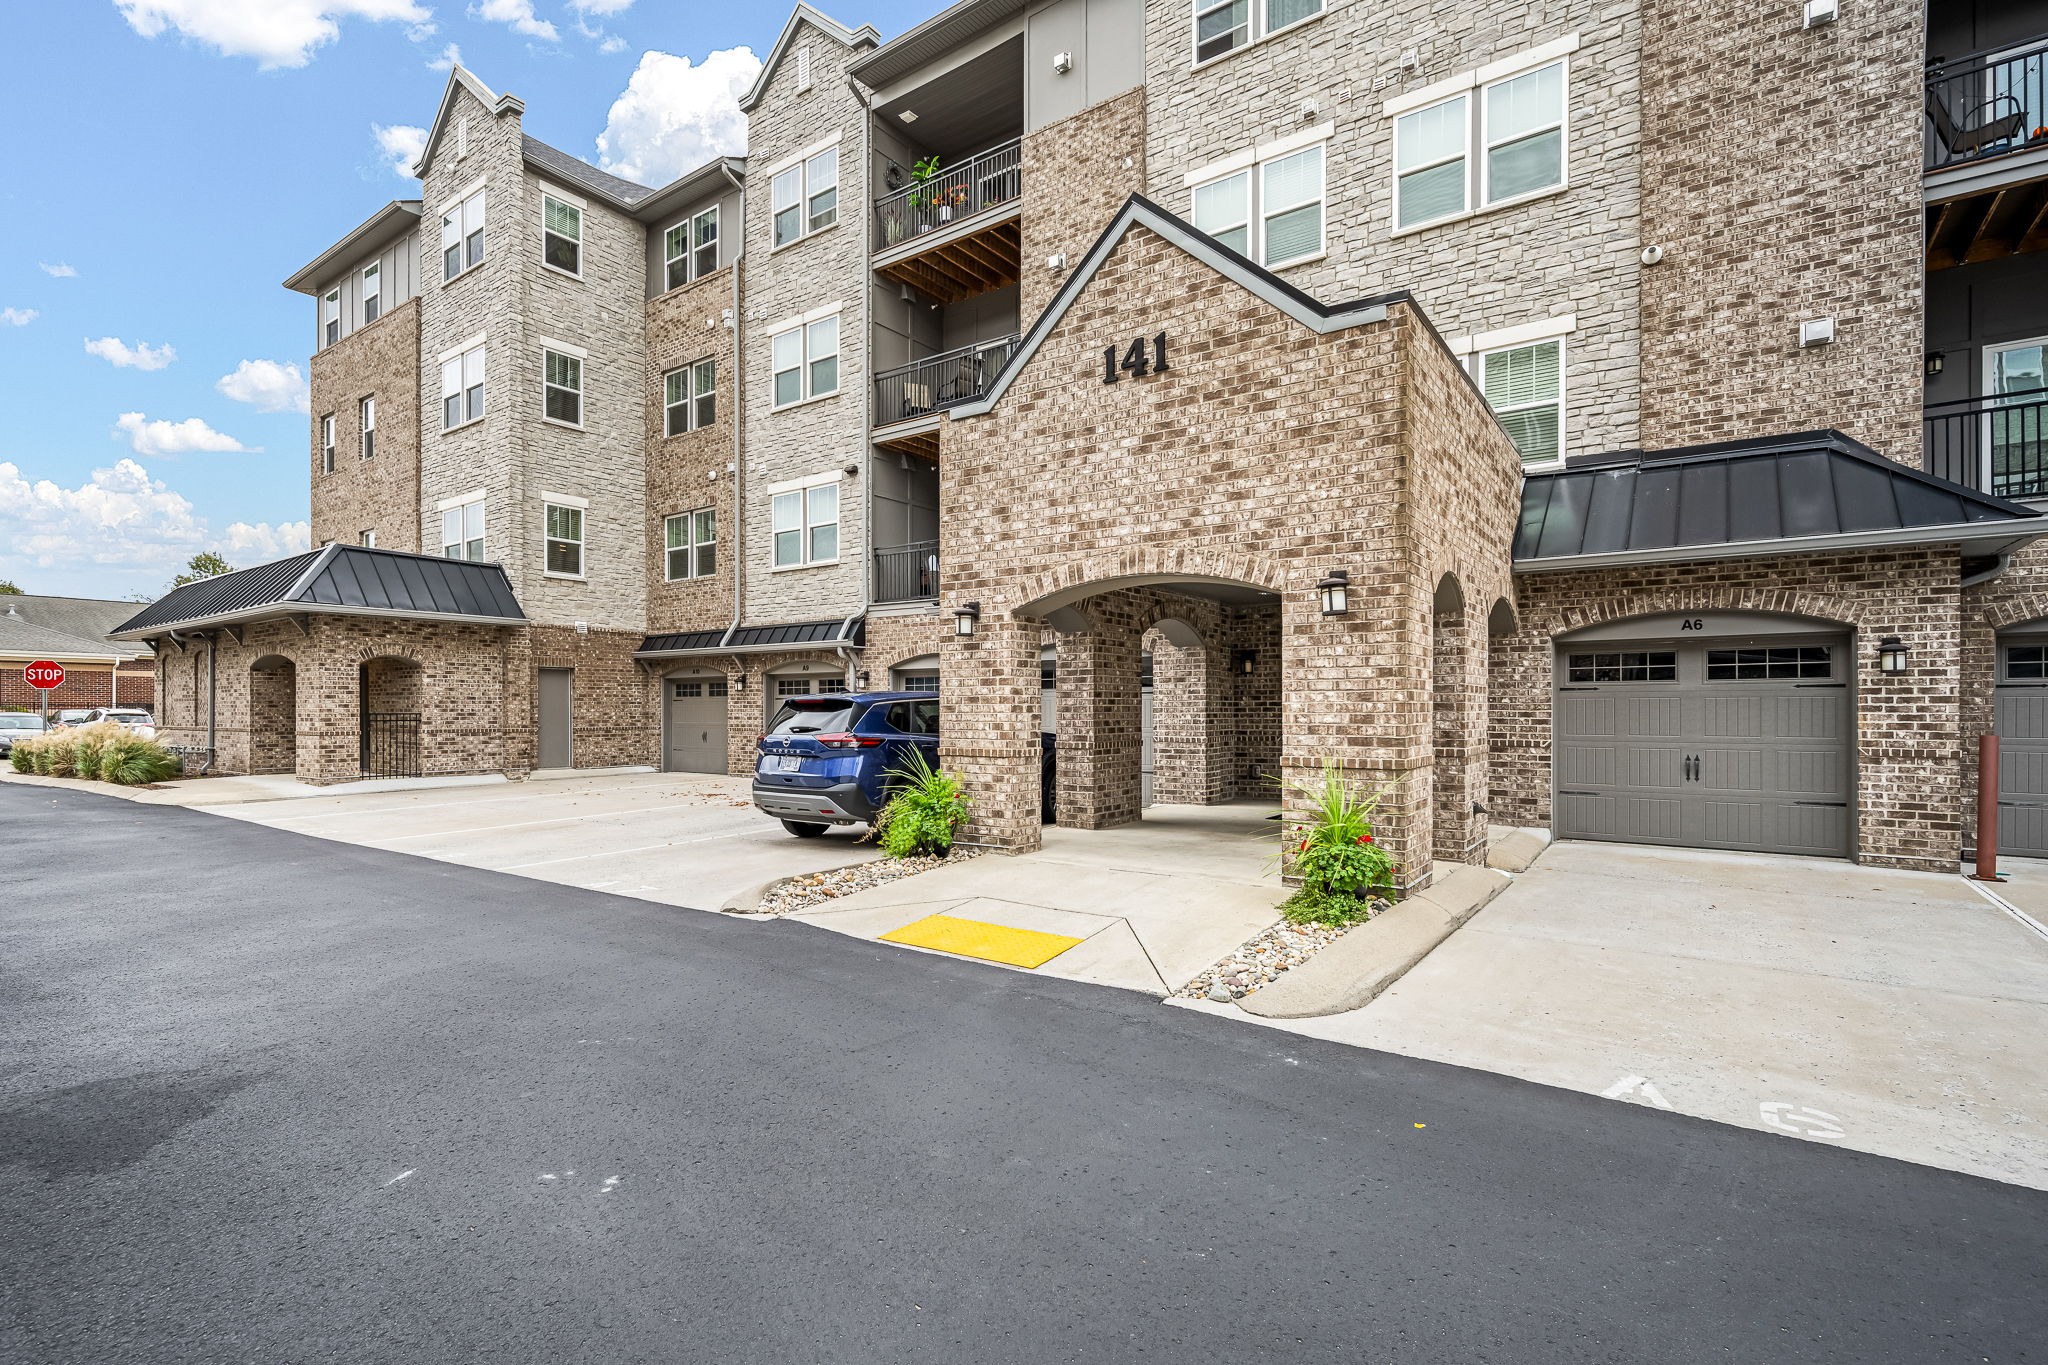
x,y
557,696
1720,744
696,725
2023,748
2015,442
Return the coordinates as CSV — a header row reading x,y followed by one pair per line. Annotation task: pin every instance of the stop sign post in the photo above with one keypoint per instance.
x,y
44,675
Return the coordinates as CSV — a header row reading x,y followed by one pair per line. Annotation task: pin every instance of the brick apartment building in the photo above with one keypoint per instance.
x,y
1623,418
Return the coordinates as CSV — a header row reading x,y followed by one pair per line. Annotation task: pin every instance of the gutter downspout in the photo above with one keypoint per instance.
x,y
739,422
212,697
1998,567
867,293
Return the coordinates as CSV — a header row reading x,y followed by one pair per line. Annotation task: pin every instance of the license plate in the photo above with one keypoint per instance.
x,y
783,763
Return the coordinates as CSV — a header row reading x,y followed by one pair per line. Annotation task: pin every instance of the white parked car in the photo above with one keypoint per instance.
x,y
141,722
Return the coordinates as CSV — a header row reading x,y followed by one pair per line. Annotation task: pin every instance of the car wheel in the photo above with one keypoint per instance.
x,y
801,830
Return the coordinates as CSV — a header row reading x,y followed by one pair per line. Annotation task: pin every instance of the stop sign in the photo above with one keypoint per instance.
x,y
44,675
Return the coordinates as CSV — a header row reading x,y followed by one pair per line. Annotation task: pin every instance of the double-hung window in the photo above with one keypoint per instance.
x,y
462,235
330,317
1270,211
373,290
691,248
806,360
327,444
562,386
462,385
806,524
1225,25
1499,141
564,539
805,196
1525,387
561,234
691,538
462,530
366,415
690,398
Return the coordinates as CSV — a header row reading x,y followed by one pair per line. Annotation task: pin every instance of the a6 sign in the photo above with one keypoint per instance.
x,y
44,675
1135,362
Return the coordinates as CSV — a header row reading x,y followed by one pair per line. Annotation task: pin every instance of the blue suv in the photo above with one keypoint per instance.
x,y
826,759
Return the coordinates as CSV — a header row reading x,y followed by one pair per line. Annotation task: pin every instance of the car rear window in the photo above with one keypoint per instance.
x,y
21,723
819,716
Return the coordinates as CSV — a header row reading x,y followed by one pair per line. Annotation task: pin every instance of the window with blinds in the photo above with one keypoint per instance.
x,y
1525,387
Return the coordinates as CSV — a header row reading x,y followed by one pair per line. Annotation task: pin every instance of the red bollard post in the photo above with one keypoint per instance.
x,y
1987,809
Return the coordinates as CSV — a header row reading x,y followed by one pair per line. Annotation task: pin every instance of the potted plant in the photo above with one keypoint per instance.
x,y
921,174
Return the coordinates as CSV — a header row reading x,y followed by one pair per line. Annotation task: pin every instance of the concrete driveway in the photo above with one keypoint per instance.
x,y
1894,1012
686,839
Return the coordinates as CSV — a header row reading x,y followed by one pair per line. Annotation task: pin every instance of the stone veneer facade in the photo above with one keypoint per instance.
x,y
693,469
382,493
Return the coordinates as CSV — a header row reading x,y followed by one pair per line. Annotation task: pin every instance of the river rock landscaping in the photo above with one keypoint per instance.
x,y
1261,960
792,894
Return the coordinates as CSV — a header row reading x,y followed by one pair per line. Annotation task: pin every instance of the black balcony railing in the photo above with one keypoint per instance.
x,y
1986,105
938,382
982,182
907,573
1997,445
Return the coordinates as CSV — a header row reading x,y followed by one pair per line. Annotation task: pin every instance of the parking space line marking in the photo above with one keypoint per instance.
x,y
620,852
2002,903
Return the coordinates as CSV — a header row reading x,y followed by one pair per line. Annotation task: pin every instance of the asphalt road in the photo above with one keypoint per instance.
x,y
270,1098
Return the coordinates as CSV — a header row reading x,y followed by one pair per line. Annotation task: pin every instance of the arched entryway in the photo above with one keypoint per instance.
x,y
1457,662
273,715
392,697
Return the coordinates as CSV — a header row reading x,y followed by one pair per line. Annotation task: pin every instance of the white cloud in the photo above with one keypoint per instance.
x,y
176,438
402,143
266,386
611,45
518,14
120,530
141,356
600,6
450,58
59,271
18,317
675,115
275,32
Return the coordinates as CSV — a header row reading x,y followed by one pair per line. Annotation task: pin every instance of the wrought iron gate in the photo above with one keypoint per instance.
x,y
391,744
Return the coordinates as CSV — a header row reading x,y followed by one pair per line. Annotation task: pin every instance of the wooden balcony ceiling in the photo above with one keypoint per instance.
x,y
2003,222
949,271
923,444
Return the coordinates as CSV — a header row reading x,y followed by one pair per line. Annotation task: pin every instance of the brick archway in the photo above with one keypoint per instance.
x,y
1038,595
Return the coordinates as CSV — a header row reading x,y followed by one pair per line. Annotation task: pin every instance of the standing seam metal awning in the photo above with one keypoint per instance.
x,y
850,632
337,579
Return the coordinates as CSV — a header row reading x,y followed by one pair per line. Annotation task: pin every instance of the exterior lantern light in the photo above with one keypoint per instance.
x,y
964,618
1891,655
1335,592
1246,660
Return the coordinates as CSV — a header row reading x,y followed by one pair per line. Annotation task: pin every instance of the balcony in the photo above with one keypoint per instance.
x,y
954,234
927,387
1989,105
1997,444
907,573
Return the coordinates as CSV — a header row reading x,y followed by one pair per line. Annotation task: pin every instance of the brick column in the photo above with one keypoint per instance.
x,y
1101,740
1458,712
1190,744
988,729
330,707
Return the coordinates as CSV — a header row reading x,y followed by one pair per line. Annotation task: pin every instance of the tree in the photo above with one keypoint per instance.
x,y
7,588
205,564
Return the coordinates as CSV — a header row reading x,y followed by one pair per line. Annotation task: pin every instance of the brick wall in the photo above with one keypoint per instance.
x,y
689,471
85,685
382,493
1075,178
614,701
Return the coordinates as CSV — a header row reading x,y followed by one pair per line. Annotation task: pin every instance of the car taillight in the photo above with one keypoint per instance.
x,y
848,741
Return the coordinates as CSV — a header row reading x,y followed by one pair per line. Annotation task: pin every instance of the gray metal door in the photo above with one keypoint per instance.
x,y
696,725
557,694
2023,748
1715,744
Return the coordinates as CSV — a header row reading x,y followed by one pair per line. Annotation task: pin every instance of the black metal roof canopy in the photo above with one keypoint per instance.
x,y
851,631
1802,492
346,580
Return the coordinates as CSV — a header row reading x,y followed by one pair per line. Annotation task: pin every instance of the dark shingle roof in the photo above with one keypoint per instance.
x,y
87,619
23,637
344,579
603,184
1806,490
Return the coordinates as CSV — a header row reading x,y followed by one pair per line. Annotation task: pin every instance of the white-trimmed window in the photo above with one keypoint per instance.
x,y
690,248
330,317
462,529
1498,142
690,398
563,534
1223,26
561,234
805,523
462,386
327,444
691,539
805,196
806,360
1525,387
373,293
366,417
561,385
367,539
462,235
1270,211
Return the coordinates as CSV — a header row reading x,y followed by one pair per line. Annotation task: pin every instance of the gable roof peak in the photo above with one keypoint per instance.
x,y
867,35
461,77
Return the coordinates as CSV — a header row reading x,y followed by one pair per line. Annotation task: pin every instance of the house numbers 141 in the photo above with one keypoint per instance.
x,y
1135,362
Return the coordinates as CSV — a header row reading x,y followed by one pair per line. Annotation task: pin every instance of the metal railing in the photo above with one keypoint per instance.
x,y
1986,105
907,573
391,744
1997,444
938,382
985,180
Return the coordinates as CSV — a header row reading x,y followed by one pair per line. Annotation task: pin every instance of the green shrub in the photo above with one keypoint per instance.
x,y
1333,850
922,813
57,757
133,761
23,755
89,747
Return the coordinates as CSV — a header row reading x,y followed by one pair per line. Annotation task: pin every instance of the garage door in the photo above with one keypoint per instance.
x,y
1710,744
2023,748
696,726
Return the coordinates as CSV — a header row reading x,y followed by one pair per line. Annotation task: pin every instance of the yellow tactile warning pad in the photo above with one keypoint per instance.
x,y
989,942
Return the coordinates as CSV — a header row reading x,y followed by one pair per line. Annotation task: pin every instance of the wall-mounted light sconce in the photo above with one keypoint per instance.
x,y
1891,655
739,682
1820,12
964,618
1335,592
1935,362
1245,661
1816,331
862,679
1063,62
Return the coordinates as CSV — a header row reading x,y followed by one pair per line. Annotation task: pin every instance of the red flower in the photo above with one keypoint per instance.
x,y
1303,848
1365,838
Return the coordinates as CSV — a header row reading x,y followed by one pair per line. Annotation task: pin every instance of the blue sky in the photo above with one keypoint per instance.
x,y
169,162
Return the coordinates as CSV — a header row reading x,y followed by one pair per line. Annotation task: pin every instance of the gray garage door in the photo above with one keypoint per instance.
x,y
1714,744
696,725
2023,748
